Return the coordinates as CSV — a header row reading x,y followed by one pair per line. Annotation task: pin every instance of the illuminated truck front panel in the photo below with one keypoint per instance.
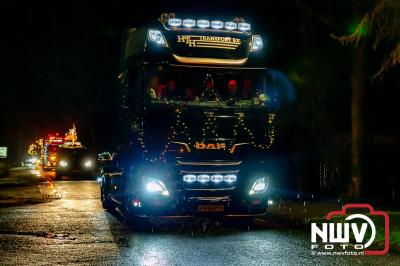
x,y
194,42
221,45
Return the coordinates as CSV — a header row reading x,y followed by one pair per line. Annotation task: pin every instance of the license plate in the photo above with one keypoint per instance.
x,y
211,208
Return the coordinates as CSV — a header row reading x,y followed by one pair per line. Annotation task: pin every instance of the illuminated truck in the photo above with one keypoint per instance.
x,y
199,118
49,149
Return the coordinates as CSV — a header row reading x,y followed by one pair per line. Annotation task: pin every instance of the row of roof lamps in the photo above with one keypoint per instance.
x,y
203,24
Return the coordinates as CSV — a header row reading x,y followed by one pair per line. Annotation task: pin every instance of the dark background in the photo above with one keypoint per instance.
x,y
60,62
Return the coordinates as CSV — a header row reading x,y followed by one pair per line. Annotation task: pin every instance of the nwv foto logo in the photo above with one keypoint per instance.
x,y
331,235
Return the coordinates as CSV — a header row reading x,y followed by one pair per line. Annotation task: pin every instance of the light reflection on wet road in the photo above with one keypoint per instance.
x,y
76,230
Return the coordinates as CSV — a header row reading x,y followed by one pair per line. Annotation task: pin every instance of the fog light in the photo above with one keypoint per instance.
x,y
217,178
259,186
230,178
157,187
203,178
189,178
136,203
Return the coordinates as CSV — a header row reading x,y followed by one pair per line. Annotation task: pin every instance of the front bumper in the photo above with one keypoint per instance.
x,y
181,206
227,197
75,171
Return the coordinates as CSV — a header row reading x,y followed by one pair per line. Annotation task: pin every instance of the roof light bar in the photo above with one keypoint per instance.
x,y
204,23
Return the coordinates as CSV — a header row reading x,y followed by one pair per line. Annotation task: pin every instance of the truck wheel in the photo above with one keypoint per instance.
x,y
106,202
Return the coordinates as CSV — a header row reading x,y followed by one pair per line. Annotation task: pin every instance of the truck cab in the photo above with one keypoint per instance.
x,y
49,151
73,159
199,114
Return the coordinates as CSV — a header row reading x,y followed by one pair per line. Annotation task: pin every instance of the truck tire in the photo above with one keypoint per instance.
x,y
106,202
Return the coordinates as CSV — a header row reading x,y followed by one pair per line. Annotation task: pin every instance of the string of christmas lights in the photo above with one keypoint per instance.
x,y
240,126
209,130
210,126
270,134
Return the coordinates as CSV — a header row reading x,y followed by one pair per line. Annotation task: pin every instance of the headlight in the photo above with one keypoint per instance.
x,y
157,37
256,43
259,186
63,163
157,187
87,163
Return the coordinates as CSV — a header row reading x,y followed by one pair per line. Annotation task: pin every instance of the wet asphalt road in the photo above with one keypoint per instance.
x,y
76,230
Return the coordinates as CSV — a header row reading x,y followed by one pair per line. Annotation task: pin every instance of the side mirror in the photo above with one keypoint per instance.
x,y
112,171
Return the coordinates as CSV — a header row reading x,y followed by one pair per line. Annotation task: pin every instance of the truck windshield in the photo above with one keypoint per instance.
x,y
208,86
72,152
52,148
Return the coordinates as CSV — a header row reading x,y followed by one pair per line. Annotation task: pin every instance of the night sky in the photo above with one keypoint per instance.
x,y
60,61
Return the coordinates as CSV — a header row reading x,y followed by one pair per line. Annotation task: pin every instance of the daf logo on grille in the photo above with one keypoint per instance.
x,y
209,146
